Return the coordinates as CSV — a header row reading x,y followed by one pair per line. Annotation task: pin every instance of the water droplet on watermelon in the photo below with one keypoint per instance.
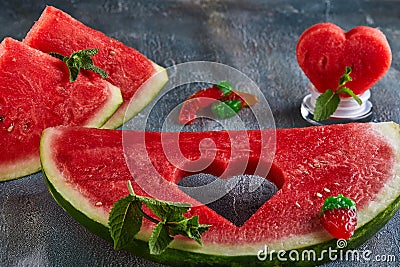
x,y
239,196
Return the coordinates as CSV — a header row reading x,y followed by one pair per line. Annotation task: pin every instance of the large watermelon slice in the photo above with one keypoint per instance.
x,y
35,93
56,31
86,172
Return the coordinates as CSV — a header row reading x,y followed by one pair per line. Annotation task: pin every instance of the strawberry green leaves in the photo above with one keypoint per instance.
x,y
328,102
339,216
338,202
126,217
80,60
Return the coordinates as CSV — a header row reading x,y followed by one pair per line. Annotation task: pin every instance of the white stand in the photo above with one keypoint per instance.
x,y
348,110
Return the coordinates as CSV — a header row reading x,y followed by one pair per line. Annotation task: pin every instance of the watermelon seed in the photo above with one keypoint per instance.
x,y
319,195
99,203
10,128
317,165
1,118
25,126
327,190
297,204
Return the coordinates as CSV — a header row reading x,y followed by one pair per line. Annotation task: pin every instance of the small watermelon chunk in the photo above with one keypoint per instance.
x,y
56,31
86,171
324,51
35,93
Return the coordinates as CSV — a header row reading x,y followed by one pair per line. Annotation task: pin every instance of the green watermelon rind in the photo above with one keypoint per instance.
x,y
177,257
143,96
32,164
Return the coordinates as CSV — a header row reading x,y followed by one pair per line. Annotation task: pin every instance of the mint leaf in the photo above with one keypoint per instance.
x,y
328,102
190,228
225,86
345,90
159,239
326,105
80,60
59,56
170,211
226,109
345,77
125,221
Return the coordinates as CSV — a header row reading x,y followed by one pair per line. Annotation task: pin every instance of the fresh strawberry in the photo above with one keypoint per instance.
x,y
230,102
339,216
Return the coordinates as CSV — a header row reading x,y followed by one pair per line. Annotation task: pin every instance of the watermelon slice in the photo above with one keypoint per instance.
x,y
86,172
35,93
56,31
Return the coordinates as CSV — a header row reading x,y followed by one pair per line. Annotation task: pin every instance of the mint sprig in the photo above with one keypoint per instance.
x,y
328,102
125,221
80,60
225,86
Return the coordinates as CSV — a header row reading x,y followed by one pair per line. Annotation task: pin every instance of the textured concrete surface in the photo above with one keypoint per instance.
x,y
255,37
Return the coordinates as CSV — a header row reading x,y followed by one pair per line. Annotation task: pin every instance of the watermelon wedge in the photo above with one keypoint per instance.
x,y
86,172
35,93
56,31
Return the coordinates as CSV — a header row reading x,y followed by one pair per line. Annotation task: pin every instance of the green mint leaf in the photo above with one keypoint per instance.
x,y
126,217
99,71
169,211
125,220
225,86
59,56
345,77
346,90
326,105
80,60
226,109
73,73
159,239
189,227
86,53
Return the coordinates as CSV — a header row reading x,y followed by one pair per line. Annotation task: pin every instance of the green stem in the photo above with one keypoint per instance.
x,y
148,217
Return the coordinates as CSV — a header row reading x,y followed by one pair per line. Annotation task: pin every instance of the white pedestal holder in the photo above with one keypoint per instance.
x,y
348,110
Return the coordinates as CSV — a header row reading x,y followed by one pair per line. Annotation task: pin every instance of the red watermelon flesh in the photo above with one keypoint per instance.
x,y
361,161
56,31
35,93
324,51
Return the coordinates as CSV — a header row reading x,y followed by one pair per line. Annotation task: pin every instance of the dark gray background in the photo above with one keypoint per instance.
x,y
255,37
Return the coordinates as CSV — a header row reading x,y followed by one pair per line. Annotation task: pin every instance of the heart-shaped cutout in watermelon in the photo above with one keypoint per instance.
x,y
324,51
236,198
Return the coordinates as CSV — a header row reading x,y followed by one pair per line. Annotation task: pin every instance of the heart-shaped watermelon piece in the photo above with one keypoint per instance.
x,y
324,51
